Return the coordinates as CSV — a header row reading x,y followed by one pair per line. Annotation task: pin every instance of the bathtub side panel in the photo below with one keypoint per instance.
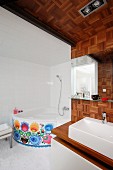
x,y
35,133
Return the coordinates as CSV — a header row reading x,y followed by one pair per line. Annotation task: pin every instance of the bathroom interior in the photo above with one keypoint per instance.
x,y
56,84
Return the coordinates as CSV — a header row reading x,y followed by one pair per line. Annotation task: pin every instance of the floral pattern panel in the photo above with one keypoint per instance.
x,y
32,134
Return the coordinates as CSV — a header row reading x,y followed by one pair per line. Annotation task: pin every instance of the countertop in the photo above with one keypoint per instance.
x,y
98,159
99,100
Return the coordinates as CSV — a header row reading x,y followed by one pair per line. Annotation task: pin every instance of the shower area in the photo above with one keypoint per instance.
x,y
59,101
61,90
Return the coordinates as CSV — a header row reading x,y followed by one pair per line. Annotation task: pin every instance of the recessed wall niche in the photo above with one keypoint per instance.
x,y
105,72
84,77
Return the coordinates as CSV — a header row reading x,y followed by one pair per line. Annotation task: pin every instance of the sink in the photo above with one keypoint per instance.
x,y
93,134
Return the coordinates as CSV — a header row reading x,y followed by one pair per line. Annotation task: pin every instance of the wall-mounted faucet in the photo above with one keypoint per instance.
x,y
104,117
65,108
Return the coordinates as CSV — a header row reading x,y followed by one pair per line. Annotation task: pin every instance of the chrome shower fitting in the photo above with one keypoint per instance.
x,y
65,108
59,77
59,102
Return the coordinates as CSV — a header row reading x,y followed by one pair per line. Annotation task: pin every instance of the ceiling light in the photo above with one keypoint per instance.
x,y
87,9
91,7
96,4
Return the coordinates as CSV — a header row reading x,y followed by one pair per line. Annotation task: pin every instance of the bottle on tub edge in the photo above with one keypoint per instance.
x,y
15,111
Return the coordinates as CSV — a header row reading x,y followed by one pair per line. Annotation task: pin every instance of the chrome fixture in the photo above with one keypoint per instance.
x,y
91,7
87,10
59,77
65,108
104,118
96,4
60,96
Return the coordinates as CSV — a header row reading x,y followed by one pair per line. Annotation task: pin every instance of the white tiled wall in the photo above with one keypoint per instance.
x,y
21,40
26,85
23,85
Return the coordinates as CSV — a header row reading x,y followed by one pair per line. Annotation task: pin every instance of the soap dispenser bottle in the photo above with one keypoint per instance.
x,y
15,111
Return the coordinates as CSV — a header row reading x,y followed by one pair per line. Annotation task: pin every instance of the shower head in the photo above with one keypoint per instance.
x,y
59,77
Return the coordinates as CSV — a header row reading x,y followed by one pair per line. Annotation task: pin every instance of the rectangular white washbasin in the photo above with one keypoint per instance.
x,y
93,134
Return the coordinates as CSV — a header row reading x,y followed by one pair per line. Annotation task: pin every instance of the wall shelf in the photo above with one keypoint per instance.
x,y
99,100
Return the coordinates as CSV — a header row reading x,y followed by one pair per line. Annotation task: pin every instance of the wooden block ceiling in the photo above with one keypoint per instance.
x,y
103,56
63,17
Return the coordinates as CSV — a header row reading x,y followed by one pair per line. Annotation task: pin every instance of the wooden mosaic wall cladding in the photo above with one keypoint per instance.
x,y
105,79
99,42
93,109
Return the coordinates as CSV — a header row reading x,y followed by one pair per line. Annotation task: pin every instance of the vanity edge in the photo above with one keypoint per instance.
x,y
96,158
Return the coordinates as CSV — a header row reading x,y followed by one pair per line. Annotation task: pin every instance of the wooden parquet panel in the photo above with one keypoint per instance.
x,y
103,41
63,16
105,79
93,109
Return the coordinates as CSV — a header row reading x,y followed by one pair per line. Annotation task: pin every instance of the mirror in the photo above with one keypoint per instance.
x,y
104,73
84,74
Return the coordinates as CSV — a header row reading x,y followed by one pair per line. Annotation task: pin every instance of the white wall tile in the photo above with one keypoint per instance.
x,y
23,85
26,85
21,40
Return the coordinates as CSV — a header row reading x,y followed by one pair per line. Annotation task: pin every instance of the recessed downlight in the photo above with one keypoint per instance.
x,y
91,7
87,9
96,4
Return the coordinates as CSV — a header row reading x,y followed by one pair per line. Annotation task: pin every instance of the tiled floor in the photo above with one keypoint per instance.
x,y
23,158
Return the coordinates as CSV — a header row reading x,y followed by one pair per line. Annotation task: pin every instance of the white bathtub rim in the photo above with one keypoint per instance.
x,y
39,112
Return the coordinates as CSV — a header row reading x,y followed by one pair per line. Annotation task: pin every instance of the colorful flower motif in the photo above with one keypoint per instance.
x,y
47,139
21,132
34,127
16,135
41,132
48,127
28,134
24,126
35,140
24,139
41,125
16,124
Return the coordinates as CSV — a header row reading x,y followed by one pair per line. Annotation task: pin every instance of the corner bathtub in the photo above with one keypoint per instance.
x,y
33,128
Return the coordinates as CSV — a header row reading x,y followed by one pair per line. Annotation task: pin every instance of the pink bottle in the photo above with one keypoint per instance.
x,y
15,111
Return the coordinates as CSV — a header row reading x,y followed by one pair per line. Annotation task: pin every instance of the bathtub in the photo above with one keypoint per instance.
x,y
33,127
